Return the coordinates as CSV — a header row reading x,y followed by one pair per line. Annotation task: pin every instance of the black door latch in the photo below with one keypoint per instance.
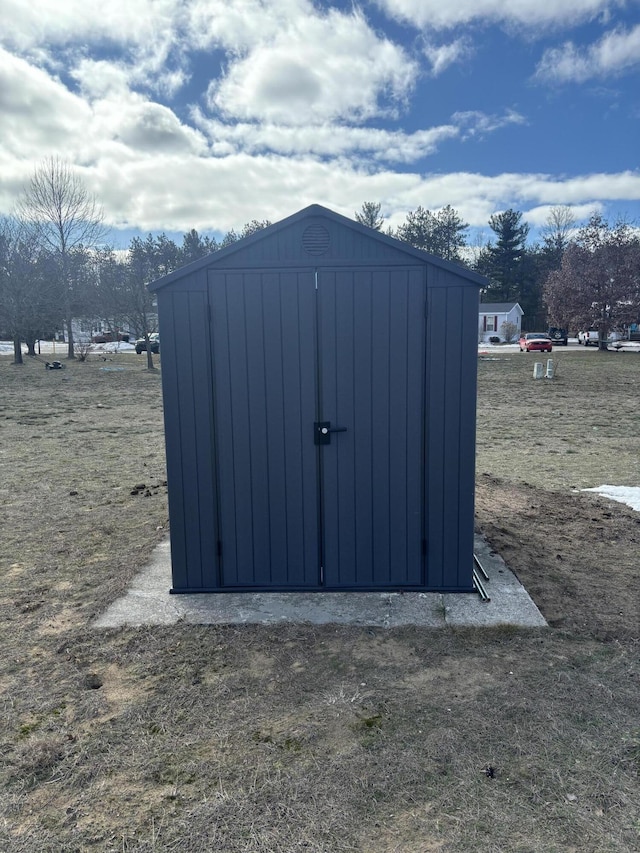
x,y
322,432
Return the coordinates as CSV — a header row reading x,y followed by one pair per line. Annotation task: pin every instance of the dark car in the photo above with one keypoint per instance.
x,y
535,342
559,336
154,344
110,337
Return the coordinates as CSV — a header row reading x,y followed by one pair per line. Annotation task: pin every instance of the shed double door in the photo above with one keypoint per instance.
x,y
296,353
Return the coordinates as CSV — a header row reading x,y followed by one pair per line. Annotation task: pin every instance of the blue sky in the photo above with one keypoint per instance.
x,y
209,113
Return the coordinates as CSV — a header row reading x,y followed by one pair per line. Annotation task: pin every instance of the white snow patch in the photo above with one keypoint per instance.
x,y
60,348
121,346
629,495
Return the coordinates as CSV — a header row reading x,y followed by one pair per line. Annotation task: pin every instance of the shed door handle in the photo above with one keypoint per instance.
x,y
322,432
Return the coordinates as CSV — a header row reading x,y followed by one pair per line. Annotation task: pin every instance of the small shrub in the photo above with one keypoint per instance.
x,y
494,339
82,350
509,331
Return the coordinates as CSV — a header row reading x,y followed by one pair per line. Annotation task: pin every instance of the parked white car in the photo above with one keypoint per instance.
x,y
592,338
589,338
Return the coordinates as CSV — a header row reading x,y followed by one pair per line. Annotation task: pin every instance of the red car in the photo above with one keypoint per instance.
x,y
535,342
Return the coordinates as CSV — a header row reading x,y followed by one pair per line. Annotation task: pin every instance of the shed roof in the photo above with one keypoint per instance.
x,y
499,307
315,210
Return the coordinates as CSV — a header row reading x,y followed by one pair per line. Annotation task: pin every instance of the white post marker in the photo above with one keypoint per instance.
x,y
550,367
538,370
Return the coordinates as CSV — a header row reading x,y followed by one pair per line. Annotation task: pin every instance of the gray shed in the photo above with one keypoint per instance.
x,y
319,384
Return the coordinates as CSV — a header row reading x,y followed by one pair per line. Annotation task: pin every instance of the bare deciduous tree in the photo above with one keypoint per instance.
x,y
557,232
67,217
598,282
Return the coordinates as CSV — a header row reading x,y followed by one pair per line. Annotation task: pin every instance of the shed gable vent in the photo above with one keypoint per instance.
x,y
315,240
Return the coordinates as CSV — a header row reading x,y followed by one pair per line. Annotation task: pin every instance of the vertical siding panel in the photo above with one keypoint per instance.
x,y
400,463
173,439
383,431
255,306
362,403
297,306
290,406
223,426
327,465
336,395
192,479
203,438
406,395
435,470
417,341
189,468
450,475
468,394
239,428
451,449
274,427
309,371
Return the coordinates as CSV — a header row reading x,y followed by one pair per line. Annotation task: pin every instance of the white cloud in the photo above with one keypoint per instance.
x,y
441,56
28,25
38,112
240,25
224,192
144,126
323,140
292,112
476,123
151,171
478,196
146,34
617,51
285,60
539,216
41,116
434,14
336,140
99,78
314,69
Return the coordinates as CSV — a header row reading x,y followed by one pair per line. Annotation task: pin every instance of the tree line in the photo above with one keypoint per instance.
x,y
56,266
573,278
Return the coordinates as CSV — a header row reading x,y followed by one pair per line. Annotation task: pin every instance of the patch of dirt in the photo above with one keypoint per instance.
x,y
576,554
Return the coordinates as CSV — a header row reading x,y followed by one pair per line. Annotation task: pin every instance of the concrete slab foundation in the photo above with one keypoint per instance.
x,y
148,602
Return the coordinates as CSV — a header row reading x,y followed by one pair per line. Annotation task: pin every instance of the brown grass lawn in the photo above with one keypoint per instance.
x,y
297,738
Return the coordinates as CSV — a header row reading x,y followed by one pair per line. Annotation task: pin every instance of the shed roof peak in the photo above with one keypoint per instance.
x,y
314,247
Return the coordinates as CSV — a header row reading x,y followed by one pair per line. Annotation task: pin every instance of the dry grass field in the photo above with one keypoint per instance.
x,y
318,739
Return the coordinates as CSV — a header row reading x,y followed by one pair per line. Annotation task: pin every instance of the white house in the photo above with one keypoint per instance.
x,y
494,315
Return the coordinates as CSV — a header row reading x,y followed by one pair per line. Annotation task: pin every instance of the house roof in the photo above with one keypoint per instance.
x,y
499,307
220,255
